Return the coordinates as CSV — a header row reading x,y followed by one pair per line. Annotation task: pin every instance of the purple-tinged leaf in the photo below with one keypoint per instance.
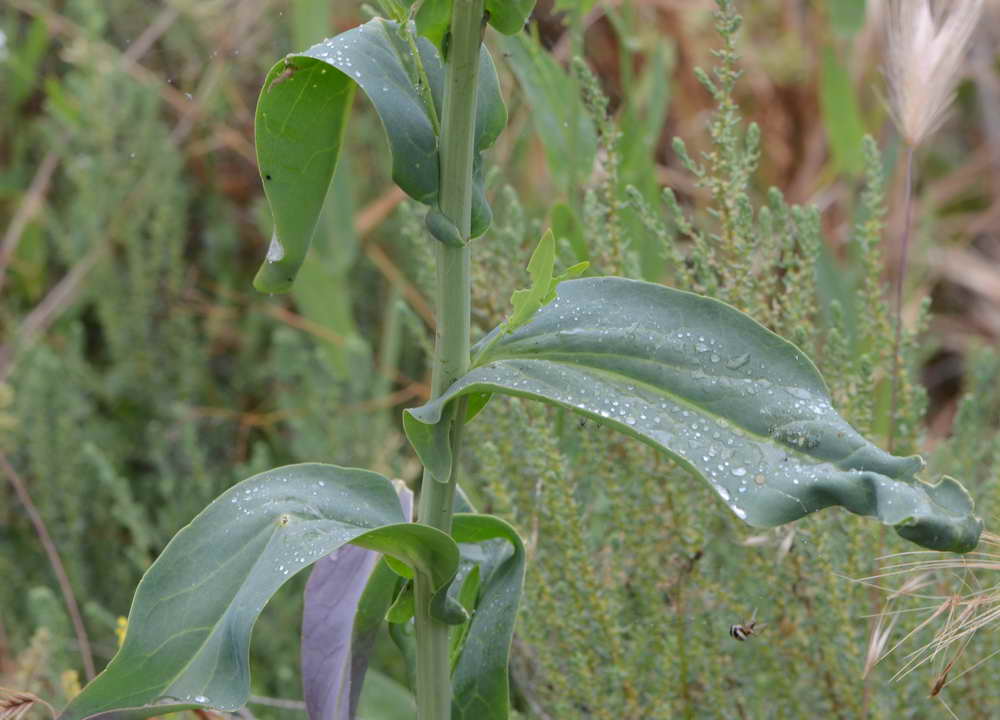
x,y
338,629
189,628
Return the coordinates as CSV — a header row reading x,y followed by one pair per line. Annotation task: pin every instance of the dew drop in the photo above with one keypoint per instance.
x,y
738,361
275,251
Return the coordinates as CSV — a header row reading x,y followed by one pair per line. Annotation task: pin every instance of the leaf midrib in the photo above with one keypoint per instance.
x,y
546,357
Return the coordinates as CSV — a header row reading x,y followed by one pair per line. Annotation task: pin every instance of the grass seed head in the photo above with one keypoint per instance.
x,y
927,43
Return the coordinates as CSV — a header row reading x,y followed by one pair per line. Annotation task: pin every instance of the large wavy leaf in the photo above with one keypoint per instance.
x,y
725,397
188,640
302,113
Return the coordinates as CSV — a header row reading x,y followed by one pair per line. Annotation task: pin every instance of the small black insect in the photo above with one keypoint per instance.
x,y
745,630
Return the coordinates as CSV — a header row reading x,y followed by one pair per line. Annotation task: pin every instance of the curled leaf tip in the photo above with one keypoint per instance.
x,y
947,521
726,398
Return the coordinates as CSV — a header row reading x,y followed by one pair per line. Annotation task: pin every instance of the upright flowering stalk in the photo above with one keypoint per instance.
x,y
927,43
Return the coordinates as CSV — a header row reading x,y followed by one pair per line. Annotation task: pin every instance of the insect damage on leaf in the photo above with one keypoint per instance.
x,y
285,75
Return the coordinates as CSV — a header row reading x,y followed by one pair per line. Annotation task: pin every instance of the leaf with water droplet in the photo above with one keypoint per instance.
x,y
302,115
616,349
189,627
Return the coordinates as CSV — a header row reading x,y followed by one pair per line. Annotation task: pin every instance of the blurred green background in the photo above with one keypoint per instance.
x,y
140,375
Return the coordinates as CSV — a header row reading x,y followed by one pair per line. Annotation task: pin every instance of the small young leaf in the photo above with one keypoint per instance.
x,y
527,302
543,284
188,636
726,398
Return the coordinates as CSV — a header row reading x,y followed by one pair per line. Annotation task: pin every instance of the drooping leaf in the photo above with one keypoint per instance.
x,y
302,114
338,629
480,687
509,16
188,636
734,403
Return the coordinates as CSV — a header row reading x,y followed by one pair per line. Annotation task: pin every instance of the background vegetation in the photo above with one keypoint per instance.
x,y
142,376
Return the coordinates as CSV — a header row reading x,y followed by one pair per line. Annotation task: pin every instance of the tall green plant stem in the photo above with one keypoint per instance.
x,y
451,352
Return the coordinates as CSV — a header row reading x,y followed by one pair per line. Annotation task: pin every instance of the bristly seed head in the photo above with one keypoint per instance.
x,y
926,46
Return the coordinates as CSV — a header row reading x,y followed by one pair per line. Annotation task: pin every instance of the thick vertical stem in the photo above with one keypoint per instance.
x,y
451,356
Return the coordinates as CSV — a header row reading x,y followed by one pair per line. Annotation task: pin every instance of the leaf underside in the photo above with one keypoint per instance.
x,y
726,398
301,117
189,628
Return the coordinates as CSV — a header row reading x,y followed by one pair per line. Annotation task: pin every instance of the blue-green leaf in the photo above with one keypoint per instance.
x,y
480,687
301,117
188,636
731,401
